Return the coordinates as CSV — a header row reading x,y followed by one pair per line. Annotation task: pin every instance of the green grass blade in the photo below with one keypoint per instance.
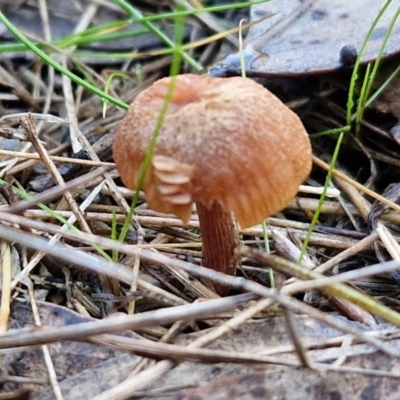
x,y
23,195
174,71
40,53
322,197
354,76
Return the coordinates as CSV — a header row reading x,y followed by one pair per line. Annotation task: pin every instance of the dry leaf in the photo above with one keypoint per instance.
x,y
303,37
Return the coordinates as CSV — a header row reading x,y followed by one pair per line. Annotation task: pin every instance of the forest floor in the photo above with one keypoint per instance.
x,y
95,307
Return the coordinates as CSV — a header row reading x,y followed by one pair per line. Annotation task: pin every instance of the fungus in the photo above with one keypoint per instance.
x,y
226,144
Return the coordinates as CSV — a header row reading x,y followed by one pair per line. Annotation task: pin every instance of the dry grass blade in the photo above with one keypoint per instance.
x,y
288,250
336,289
5,261
117,271
55,192
49,362
32,136
357,185
81,331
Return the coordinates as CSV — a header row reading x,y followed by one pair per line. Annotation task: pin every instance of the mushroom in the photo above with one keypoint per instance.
x,y
226,144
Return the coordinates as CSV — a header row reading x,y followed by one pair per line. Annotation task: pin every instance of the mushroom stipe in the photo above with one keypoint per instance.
x,y
226,144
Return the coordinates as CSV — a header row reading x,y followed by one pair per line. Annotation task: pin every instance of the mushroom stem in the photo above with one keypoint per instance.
x,y
219,240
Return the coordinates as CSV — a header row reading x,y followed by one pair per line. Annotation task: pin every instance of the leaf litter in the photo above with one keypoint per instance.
x,y
181,340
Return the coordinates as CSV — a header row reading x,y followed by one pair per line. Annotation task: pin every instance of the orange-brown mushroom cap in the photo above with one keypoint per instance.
x,y
225,140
